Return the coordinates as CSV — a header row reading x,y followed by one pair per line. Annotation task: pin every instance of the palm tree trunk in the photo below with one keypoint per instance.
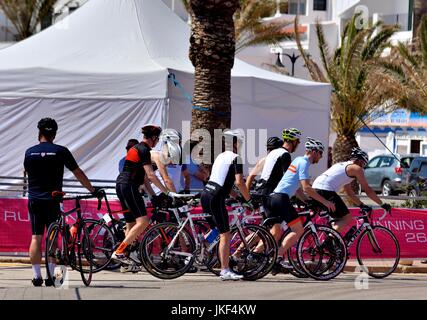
x,y
420,8
212,49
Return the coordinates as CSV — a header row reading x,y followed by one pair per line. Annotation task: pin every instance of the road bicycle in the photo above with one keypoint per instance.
x,y
377,248
66,248
169,249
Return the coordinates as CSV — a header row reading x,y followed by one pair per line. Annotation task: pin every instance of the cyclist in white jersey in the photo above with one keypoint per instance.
x,y
341,175
297,175
276,165
273,143
227,170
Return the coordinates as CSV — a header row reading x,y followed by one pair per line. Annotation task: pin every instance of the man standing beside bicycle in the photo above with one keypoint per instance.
x,y
341,175
44,164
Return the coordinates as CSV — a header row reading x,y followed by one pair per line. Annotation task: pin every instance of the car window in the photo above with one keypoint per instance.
x,y
374,163
406,162
423,170
385,162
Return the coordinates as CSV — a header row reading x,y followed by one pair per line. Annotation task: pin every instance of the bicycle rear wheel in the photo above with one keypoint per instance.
x,y
297,270
55,255
166,262
322,254
253,253
378,252
84,254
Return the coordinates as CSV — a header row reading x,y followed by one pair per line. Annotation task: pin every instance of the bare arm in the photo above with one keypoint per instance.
x,y
301,195
255,172
349,191
83,179
187,179
153,178
359,174
240,183
163,172
314,195
147,186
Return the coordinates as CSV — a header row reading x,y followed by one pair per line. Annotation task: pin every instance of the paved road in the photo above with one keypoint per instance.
x,y
15,284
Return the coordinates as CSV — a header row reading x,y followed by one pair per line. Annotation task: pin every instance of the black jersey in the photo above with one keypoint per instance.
x,y
133,170
275,165
44,164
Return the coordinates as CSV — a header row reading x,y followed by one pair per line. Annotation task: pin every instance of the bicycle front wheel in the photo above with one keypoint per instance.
x,y
378,252
322,254
84,254
165,252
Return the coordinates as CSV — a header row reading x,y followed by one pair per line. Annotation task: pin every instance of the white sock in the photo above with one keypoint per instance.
x,y
224,270
51,269
37,271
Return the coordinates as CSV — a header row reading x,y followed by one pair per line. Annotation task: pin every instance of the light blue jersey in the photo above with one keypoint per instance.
x,y
298,170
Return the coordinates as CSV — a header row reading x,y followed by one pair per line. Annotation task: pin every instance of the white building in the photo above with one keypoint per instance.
x,y
333,15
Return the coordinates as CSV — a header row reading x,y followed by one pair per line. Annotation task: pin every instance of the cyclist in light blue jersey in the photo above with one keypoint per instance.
x,y
295,177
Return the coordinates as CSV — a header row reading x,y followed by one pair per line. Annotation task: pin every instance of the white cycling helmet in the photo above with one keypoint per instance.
x,y
238,133
170,135
313,144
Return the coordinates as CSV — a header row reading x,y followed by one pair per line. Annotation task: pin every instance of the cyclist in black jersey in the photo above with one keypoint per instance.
x,y
44,164
137,166
226,170
272,144
276,164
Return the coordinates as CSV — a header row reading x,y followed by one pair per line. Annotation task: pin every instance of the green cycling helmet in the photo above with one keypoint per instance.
x,y
291,134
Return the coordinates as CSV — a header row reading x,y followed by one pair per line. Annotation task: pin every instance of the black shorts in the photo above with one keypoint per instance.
x,y
281,207
131,200
215,206
42,214
266,201
341,209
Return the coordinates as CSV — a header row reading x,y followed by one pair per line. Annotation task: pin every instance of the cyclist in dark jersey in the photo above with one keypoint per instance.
x,y
226,170
44,164
137,165
276,164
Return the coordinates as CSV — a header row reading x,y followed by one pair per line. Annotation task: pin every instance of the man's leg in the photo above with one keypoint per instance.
x,y
36,255
342,223
297,229
224,249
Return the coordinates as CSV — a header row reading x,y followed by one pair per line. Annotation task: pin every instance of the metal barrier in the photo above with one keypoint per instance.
x,y
18,186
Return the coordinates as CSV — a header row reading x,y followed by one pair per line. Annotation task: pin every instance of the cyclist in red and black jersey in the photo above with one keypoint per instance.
x,y
137,166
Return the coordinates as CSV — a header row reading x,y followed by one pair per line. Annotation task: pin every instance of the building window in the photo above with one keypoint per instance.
x,y
319,5
297,7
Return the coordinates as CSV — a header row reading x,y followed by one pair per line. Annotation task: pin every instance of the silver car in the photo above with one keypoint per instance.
x,y
384,173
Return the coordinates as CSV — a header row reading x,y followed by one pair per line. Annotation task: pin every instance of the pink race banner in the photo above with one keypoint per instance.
x,y
408,225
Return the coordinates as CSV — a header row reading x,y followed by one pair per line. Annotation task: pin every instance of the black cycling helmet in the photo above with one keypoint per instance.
x,y
274,143
47,126
151,130
359,154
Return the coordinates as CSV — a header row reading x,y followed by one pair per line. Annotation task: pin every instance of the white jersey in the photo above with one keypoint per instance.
x,y
174,172
334,178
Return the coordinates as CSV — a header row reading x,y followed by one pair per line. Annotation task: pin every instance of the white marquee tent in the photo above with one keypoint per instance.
x,y
103,72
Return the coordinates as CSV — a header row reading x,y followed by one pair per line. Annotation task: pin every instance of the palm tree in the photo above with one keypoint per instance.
x,y
406,71
27,15
212,49
357,93
250,29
